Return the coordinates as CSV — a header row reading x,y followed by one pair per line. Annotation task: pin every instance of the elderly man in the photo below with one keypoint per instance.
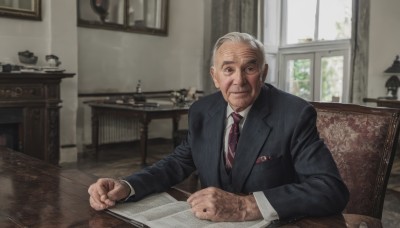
x,y
256,149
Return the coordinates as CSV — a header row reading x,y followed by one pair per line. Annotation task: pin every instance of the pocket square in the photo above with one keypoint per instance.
x,y
262,159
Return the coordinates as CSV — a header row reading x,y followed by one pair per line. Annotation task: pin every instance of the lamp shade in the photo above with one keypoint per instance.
x,y
395,67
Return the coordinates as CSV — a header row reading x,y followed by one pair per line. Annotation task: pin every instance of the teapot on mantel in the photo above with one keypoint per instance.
x,y
53,60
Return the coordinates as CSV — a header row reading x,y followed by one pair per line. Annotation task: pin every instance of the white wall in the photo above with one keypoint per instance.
x,y
384,43
113,61
55,34
20,35
64,39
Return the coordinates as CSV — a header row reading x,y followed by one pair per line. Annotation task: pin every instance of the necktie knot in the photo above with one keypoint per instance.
x,y
236,117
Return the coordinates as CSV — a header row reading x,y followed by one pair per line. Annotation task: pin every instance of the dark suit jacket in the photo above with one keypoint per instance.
x,y
299,176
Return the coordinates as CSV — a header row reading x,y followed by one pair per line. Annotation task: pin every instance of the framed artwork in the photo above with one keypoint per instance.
x,y
21,9
139,16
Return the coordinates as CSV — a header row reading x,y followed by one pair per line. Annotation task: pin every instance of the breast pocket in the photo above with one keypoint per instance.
x,y
267,174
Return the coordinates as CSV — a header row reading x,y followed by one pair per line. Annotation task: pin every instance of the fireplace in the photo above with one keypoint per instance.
x,y
10,136
11,128
29,113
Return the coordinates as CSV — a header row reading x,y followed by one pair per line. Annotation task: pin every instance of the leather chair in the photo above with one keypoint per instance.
x,y
363,142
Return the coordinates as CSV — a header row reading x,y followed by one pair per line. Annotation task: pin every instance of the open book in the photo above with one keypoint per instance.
x,y
162,210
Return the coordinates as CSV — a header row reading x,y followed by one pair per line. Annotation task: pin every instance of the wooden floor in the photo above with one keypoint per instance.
x,y
121,160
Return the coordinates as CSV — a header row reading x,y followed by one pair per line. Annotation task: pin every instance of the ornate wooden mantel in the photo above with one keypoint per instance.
x,y
37,97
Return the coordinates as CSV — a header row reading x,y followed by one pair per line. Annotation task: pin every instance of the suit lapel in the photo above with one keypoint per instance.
x,y
253,136
214,129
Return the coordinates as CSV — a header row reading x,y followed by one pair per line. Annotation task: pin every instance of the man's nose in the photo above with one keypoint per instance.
x,y
240,77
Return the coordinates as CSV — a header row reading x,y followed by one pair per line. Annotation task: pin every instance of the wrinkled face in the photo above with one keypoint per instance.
x,y
238,74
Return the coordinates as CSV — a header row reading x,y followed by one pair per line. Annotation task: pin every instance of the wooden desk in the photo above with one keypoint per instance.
x,y
37,194
143,114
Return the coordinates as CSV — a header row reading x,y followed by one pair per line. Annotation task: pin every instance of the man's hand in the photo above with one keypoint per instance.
x,y
106,191
217,205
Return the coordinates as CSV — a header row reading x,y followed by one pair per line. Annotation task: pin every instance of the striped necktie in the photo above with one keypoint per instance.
x,y
233,140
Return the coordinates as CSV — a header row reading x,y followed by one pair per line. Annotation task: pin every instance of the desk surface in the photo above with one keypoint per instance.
x,y
36,194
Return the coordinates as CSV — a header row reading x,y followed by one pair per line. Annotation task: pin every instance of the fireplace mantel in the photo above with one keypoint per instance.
x,y
37,95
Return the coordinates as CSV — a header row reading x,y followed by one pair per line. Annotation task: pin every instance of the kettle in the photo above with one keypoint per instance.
x,y
53,60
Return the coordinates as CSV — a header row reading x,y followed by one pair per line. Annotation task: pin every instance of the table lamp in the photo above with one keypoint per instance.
x,y
393,82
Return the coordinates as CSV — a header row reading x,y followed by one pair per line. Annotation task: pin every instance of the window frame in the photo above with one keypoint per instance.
x,y
276,47
318,50
283,68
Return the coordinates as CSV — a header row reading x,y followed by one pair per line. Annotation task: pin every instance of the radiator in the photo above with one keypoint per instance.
x,y
114,129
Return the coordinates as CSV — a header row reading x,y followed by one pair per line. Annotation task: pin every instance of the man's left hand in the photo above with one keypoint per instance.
x,y
217,205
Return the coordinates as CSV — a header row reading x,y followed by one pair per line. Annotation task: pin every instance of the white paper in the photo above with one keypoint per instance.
x,y
129,209
163,211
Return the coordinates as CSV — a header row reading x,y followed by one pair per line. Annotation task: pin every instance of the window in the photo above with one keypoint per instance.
x,y
316,76
316,20
312,49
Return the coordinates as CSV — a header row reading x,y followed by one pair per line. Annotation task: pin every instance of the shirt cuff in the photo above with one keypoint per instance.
x,y
132,190
266,209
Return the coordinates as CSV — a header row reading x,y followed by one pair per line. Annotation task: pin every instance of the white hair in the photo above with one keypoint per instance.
x,y
242,38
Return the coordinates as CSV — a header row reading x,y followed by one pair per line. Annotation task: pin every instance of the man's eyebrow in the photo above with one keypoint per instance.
x,y
251,61
226,63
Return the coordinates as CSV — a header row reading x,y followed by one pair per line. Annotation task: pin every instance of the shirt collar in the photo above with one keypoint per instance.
x,y
243,113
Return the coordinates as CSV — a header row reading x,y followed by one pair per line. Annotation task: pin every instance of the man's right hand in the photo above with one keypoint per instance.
x,y
106,191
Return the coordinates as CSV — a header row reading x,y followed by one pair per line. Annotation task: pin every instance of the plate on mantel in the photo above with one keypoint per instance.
x,y
48,70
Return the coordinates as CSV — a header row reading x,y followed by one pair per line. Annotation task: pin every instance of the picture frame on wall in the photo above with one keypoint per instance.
x,y
137,16
21,9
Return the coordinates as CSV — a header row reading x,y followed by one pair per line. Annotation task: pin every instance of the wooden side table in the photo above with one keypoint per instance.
x,y
143,114
383,102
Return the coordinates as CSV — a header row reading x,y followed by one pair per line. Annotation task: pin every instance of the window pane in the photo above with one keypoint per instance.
x,y
334,20
332,78
299,78
300,21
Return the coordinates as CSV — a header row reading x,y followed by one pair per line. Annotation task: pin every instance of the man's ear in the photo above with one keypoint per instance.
x,y
264,73
214,77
